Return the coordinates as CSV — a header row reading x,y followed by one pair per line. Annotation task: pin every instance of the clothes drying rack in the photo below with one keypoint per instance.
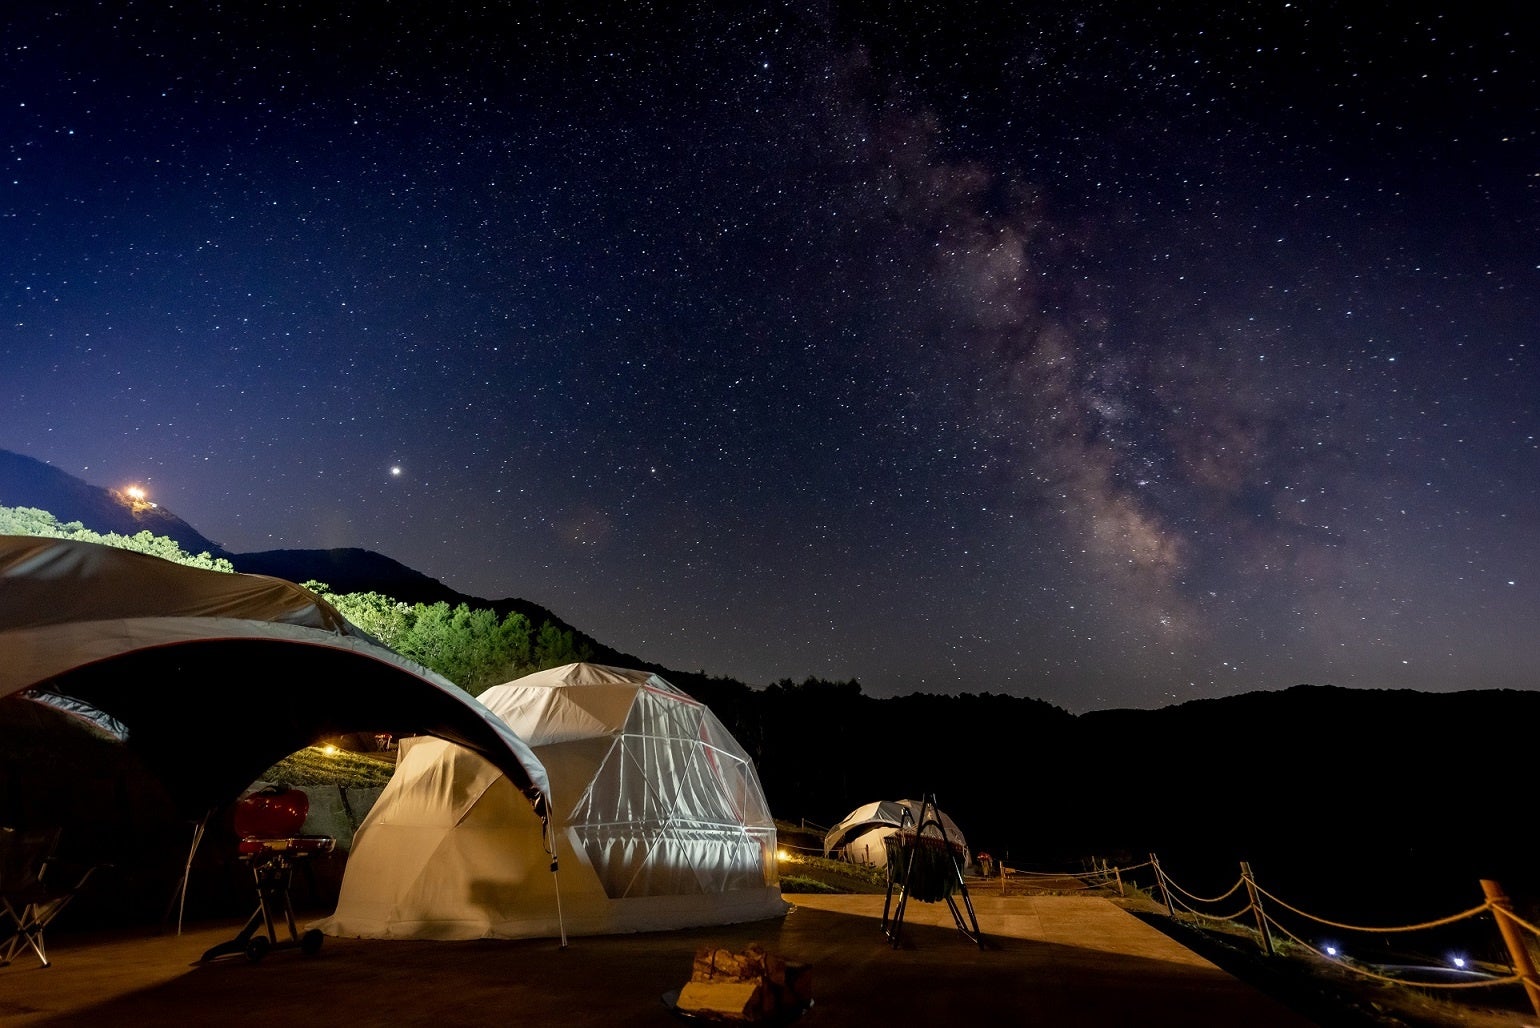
x,y
925,863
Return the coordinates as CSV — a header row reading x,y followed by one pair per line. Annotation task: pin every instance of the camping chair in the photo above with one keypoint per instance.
x,y
924,863
29,900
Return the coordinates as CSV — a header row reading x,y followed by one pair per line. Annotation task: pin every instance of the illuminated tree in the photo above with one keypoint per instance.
x,y
384,617
32,521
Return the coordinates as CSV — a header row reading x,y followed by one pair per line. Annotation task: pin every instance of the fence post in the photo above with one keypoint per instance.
x,y
1256,906
1119,876
1160,885
1002,876
1502,908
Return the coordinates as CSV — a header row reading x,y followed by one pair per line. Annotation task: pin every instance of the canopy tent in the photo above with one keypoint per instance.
x,y
860,836
215,676
662,822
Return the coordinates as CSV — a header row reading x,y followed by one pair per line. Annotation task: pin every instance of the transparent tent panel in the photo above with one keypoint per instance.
x,y
678,858
709,830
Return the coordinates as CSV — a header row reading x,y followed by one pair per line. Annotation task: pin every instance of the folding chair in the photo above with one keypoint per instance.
x,y
28,900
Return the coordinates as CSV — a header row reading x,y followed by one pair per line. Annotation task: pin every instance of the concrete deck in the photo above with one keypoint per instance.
x,y
1060,961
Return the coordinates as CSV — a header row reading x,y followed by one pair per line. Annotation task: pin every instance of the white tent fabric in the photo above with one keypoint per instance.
x,y
143,639
861,835
661,822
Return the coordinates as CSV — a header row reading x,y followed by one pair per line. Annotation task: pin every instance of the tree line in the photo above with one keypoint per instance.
x,y
472,647
37,522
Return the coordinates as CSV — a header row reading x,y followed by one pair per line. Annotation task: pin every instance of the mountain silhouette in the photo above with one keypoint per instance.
x,y
28,482
354,570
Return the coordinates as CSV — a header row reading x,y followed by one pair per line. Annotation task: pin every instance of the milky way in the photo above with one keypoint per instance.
x,y
1111,355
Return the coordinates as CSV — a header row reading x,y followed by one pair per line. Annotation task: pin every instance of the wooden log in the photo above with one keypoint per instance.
x,y
724,1000
764,985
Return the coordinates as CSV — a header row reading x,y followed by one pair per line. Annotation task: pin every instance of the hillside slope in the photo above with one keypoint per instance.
x,y
26,482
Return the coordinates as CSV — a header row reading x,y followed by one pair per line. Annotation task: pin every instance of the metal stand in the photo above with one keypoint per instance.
x,y
272,866
923,862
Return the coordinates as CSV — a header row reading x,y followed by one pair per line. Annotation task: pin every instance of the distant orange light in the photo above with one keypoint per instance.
x,y
135,493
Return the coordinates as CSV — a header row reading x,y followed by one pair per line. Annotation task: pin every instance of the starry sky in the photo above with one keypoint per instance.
x,y
1115,354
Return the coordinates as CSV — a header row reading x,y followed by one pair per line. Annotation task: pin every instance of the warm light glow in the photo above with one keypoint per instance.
x,y
329,750
780,854
137,497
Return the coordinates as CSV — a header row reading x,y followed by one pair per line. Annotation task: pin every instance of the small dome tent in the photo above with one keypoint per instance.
x,y
659,822
860,836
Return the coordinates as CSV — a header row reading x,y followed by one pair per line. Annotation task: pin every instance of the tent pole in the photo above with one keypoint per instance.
x,y
550,838
561,924
187,871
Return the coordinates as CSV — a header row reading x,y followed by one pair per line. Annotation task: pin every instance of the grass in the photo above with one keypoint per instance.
x,y
805,872
802,883
329,765
804,868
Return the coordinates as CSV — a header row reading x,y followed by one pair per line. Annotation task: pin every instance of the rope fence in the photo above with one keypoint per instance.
x,y
1239,883
1263,908
1519,936
816,850
1259,918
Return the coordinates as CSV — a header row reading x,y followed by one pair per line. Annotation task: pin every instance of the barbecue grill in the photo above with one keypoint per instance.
x,y
268,824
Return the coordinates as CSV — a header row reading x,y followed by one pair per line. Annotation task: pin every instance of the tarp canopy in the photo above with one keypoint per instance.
x,y
860,835
661,823
218,676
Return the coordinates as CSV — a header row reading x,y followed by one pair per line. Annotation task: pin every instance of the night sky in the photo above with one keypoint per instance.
x,y
1115,354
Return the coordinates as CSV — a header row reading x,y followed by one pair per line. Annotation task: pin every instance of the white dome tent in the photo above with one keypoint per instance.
x,y
657,813
861,835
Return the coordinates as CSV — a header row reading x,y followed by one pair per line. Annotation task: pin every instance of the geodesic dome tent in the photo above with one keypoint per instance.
x,y
658,820
861,835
